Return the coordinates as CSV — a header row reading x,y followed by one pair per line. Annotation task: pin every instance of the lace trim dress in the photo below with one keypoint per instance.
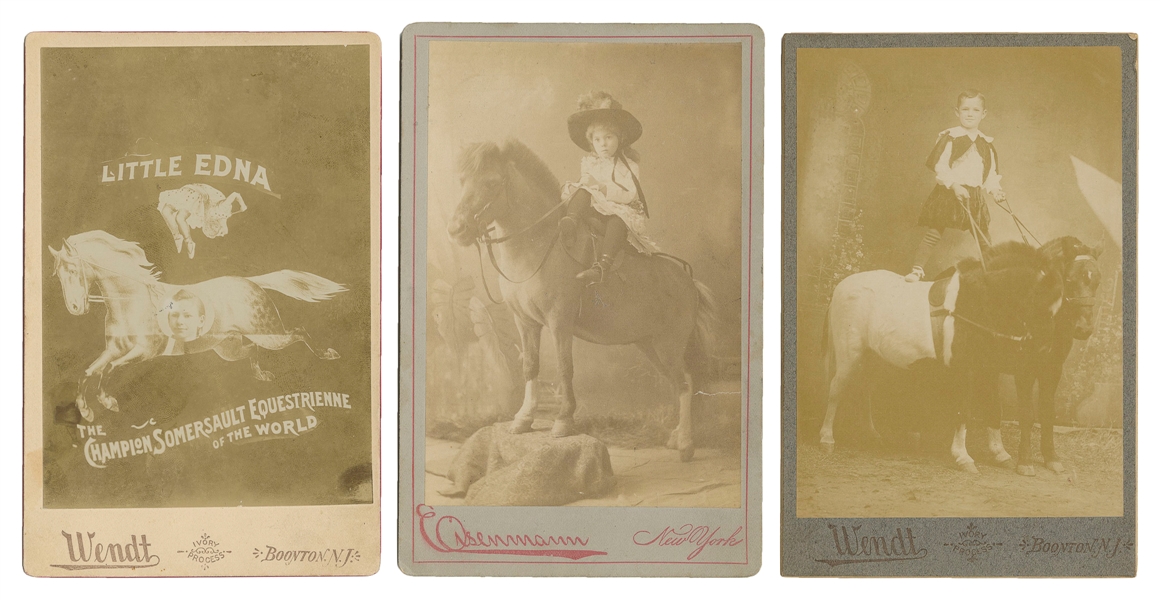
x,y
612,183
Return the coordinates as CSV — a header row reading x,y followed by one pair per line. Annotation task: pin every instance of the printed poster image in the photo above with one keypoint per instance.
x,y
206,278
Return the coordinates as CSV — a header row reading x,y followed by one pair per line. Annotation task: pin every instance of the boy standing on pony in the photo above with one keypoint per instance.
x,y
965,165
608,194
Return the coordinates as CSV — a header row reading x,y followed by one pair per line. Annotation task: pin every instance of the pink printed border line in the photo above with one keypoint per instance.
x,y
417,525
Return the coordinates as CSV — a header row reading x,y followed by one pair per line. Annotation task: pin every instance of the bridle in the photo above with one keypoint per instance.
x,y
483,226
86,284
1081,300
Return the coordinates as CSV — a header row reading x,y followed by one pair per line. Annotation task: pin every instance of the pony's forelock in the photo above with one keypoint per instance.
x,y
477,157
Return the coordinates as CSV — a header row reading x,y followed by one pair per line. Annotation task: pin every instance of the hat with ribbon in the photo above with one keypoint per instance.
x,y
599,107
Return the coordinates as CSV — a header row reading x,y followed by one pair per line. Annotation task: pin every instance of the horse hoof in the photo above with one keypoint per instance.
x,y
520,426
687,454
828,447
969,468
672,443
264,376
329,354
87,413
1055,465
1027,470
109,402
1007,464
452,492
562,428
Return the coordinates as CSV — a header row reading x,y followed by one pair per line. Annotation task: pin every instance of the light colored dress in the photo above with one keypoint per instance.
x,y
208,208
612,183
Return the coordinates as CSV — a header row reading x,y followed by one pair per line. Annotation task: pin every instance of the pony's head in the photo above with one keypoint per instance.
x,y
1081,280
484,175
74,278
498,183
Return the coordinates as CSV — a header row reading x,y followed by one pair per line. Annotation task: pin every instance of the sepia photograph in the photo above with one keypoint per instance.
x,y
584,274
959,293
203,311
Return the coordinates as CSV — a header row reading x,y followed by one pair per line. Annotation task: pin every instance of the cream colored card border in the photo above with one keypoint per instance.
x,y
238,530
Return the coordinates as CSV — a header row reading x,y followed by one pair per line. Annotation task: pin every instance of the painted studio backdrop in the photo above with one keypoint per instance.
x,y
688,99
867,121
211,207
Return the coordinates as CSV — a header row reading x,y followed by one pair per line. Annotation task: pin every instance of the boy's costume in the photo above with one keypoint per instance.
x,y
971,163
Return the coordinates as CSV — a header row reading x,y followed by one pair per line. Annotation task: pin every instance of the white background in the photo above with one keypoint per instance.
x,y
387,20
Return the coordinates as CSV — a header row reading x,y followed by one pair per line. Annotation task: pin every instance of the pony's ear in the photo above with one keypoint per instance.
x,y
1069,250
1097,251
68,248
55,253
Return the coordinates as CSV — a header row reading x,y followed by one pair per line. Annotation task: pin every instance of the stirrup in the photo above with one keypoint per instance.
x,y
916,274
596,273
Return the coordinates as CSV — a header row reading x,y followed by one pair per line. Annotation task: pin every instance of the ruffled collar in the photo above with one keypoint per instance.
x,y
960,131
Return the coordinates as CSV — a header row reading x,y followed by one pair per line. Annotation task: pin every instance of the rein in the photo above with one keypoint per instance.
x,y
1014,338
485,240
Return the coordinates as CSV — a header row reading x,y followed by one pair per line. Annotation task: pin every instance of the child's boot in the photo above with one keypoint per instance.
x,y
599,268
916,274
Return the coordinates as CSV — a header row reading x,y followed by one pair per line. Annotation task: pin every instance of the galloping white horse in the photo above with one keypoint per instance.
x,y
234,315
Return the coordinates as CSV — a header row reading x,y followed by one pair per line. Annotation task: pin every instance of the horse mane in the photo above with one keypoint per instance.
x,y
1006,255
483,156
477,157
1054,249
113,252
539,176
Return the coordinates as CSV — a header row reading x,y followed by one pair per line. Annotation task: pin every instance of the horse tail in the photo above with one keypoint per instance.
x,y
828,358
307,287
699,357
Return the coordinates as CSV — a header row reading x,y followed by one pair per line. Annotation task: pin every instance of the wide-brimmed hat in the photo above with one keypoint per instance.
x,y
601,107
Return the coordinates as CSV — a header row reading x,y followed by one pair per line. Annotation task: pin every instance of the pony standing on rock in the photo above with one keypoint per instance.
x,y
648,300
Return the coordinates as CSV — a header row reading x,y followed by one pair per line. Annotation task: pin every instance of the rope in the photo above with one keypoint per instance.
x,y
1024,231
976,231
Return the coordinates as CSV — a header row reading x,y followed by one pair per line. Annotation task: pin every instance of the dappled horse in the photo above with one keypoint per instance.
x,y
238,316
1074,321
981,317
649,301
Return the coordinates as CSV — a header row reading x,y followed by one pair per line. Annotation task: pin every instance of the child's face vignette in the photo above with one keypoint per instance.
x,y
605,142
970,112
185,320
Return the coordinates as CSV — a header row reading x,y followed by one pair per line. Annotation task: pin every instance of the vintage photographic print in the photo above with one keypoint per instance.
x,y
960,288
202,297
581,312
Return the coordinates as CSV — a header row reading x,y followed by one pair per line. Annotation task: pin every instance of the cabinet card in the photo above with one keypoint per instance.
x,y
202,298
580,377
959,297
